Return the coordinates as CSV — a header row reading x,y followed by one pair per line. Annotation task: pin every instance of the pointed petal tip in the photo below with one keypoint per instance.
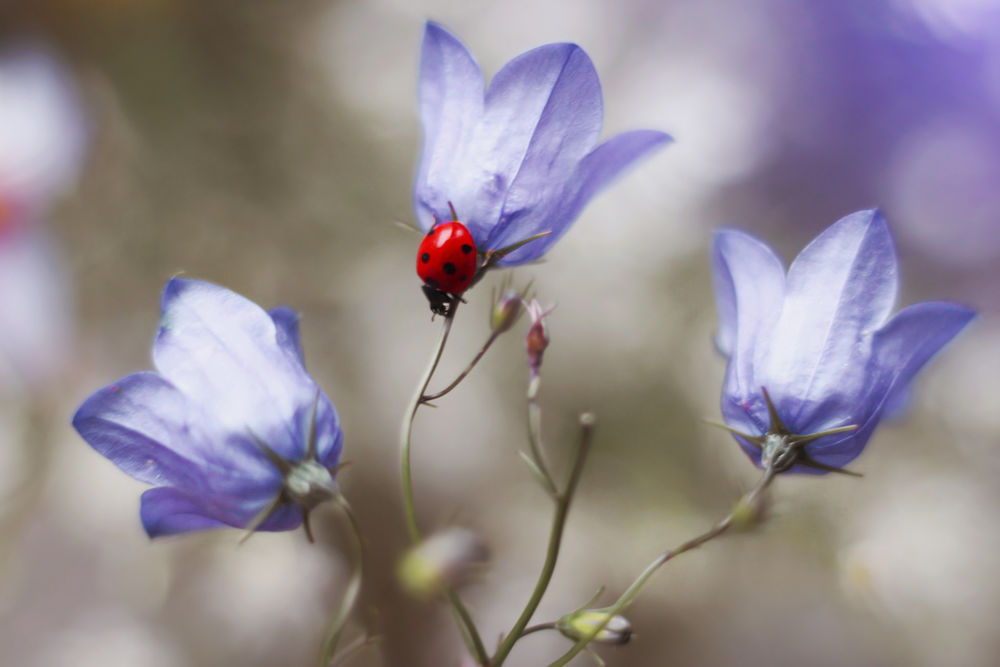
x,y
175,287
659,138
862,222
436,31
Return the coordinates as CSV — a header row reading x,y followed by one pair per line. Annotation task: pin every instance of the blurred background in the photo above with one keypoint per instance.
x,y
270,146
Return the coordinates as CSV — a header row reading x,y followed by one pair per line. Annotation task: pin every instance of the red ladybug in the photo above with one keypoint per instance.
x,y
446,262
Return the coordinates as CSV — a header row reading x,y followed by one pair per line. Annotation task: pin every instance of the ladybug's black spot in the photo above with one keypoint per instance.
x,y
466,248
431,282
464,278
426,257
449,268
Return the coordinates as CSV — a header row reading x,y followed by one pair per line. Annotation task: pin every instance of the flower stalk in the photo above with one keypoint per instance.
x,y
563,501
535,437
633,590
465,372
352,591
406,430
465,622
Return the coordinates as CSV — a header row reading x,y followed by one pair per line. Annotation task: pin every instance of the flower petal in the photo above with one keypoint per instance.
x,y
167,511
543,115
915,335
286,321
840,289
749,283
900,350
451,104
534,206
141,424
222,351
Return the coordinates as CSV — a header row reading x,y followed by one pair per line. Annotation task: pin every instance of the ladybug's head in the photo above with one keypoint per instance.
x,y
441,302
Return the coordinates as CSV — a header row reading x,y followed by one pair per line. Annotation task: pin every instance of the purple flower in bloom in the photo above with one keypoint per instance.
x,y
521,159
231,429
816,350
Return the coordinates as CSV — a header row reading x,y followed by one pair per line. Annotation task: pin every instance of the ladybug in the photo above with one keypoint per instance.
x,y
446,262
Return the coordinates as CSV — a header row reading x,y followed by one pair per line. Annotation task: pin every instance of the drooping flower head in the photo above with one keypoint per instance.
x,y
816,350
42,141
230,429
520,158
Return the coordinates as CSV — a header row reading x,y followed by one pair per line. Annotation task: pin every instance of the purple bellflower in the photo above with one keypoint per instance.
x,y
231,429
522,158
815,359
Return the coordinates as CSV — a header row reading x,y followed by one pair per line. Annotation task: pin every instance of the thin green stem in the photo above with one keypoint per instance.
x,y
353,588
538,628
352,649
563,501
630,594
468,369
535,432
468,627
406,430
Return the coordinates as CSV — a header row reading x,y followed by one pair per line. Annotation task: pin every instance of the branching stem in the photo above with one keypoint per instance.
x,y
468,369
563,501
352,592
630,594
466,624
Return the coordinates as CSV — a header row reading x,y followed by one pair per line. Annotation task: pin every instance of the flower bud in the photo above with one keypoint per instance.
x,y
505,311
538,335
579,625
444,560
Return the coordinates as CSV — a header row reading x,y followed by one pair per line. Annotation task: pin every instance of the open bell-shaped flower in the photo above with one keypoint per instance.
x,y
521,158
815,359
230,429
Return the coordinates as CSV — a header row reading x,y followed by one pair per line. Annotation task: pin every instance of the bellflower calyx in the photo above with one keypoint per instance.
x,y
230,429
815,359
520,159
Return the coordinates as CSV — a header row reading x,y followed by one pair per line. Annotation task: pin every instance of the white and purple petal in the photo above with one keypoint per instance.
x,y
840,290
222,351
560,207
451,101
142,424
749,283
169,511
900,350
286,322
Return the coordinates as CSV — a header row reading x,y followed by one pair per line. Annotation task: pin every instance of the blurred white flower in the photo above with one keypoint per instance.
x,y
42,139
42,130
